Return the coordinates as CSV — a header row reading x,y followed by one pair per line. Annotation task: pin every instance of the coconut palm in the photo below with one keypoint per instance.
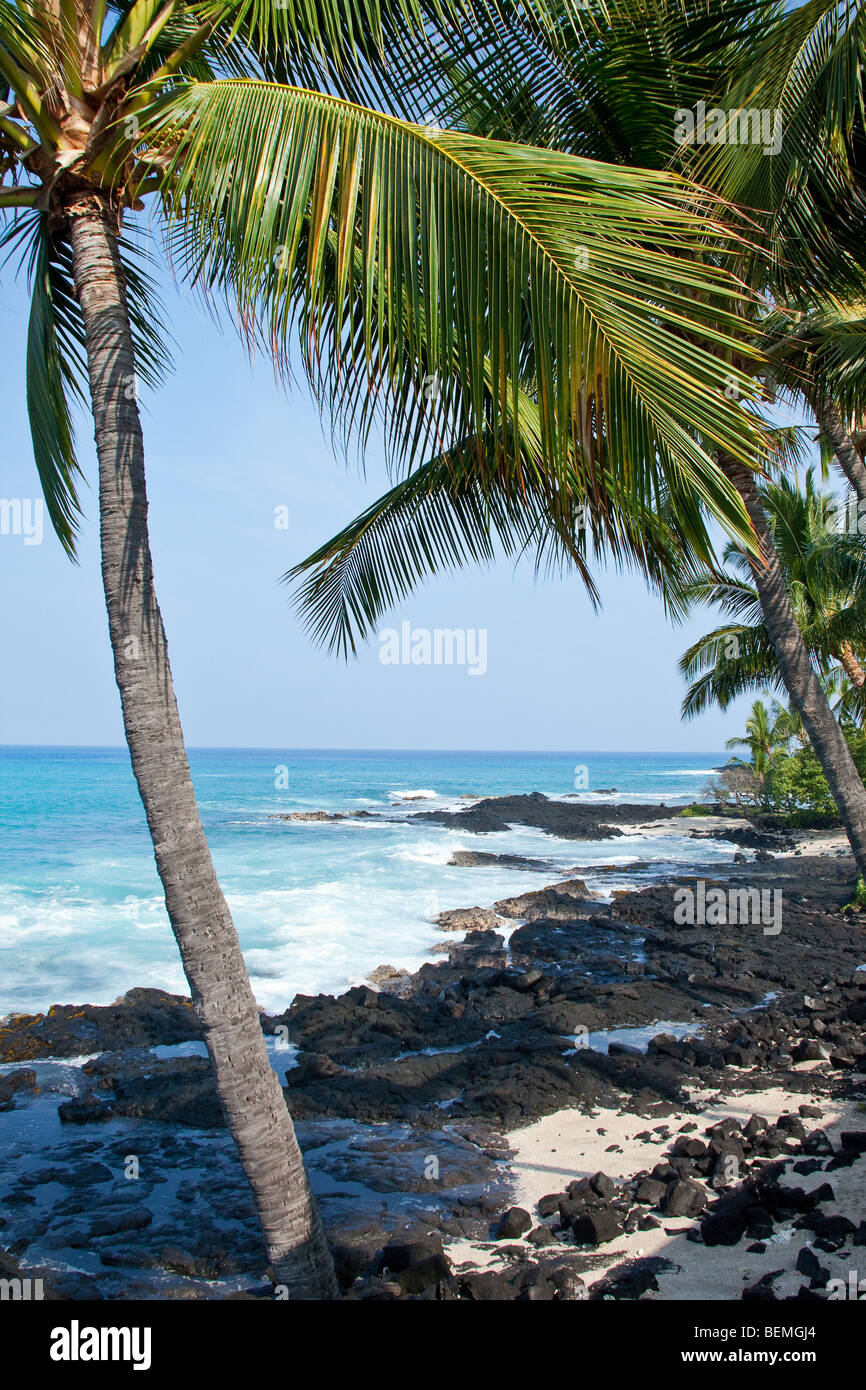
x,y
826,579
615,87
768,735
806,62
425,276
767,732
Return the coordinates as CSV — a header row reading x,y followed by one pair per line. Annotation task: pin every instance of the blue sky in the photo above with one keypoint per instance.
x,y
225,446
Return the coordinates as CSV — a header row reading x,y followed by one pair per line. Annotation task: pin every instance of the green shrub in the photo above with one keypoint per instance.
x,y
793,793
858,902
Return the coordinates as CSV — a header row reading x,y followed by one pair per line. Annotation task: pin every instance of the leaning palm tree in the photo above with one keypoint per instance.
x,y
425,275
826,578
614,88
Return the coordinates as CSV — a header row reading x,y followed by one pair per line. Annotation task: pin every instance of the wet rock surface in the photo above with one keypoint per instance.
x,y
140,1018
479,859
561,818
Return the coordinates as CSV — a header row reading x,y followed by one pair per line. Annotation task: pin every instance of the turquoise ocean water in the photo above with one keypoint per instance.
x,y
317,905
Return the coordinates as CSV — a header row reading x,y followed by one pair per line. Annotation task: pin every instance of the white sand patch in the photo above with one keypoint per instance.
x,y
675,825
467,1255
567,1145
820,842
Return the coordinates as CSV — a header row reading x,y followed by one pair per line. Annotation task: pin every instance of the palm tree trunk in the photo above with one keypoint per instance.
x,y
251,1096
798,674
851,666
832,427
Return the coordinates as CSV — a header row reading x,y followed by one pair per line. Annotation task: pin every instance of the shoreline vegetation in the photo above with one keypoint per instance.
x,y
577,1096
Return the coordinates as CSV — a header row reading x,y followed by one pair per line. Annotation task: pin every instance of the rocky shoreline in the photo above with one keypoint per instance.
x,y
731,1058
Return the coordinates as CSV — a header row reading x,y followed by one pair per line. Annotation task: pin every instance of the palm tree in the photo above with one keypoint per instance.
x,y
612,89
806,63
826,579
425,274
768,732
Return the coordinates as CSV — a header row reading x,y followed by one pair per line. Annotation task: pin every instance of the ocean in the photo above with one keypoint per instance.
x,y
317,905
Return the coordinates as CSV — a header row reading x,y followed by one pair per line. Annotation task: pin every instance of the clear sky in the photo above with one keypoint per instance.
x,y
225,447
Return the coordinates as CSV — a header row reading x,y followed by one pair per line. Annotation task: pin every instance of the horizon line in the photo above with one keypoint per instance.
x,y
274,747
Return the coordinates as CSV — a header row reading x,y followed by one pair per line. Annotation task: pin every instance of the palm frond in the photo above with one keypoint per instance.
x,y
449,513
820,351
825,576
56,368
807,66
405,255
54,373
25,36
432,521
726,663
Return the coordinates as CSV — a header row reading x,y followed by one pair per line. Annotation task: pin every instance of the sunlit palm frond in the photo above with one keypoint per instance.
x,y
464,263
807,66
726,663
457,510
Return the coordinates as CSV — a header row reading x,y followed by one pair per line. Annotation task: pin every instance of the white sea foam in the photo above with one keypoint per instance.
x,y
428,852
316,910
635,1037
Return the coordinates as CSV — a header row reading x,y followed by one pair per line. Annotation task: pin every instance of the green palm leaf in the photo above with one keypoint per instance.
x,y
56,371
433,520
826,579
408,255
53,374
717,678
450,513
808,66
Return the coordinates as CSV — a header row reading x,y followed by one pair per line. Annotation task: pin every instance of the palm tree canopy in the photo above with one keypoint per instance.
x,y
807,65
824,570
768,734
603,86
610,88
432,277
820,351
